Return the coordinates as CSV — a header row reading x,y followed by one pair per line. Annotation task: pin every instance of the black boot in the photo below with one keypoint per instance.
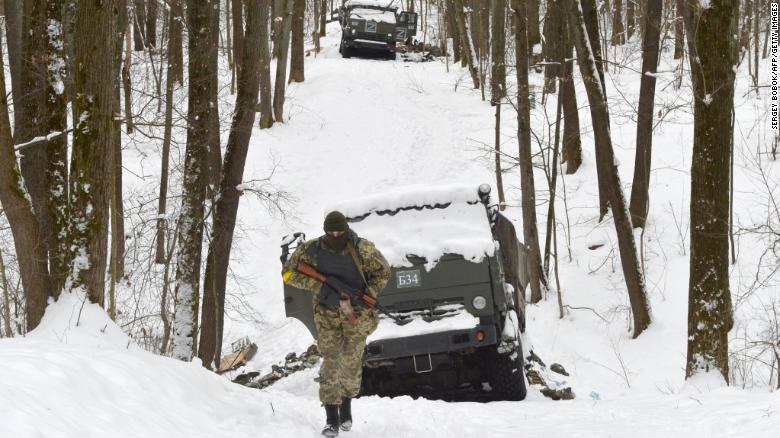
x,y
332,423
345,413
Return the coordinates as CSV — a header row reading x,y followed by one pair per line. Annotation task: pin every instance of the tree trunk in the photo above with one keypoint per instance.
x,y
296,51
323,17
6,300
30,121
238,34
116,264
498,48
631,17
175,40
215,152
92,147
467,44
170,82
227,203
591,20
606,165
57,147
139,21
126,84
200,21
281,64
277,25
644,126
530,233
13,29
618,31
711,33
151,23
534,37
572,145
679,33
453,30
17,205
266,109
552,49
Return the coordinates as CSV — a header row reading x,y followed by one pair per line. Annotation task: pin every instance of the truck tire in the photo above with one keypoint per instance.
x,y
507,377
346,52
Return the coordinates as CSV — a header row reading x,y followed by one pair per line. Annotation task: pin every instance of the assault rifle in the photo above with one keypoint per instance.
x,y
339,286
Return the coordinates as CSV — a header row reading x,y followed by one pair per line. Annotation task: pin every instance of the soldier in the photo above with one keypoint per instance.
x,y
341,337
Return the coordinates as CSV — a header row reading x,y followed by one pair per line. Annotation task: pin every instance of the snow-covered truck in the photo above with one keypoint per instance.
x,y
457,285
374,24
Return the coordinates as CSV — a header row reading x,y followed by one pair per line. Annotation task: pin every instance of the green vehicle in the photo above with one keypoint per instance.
x,y
375,25
458,281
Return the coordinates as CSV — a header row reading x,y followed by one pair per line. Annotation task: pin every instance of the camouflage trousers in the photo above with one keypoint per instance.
x,y
341,344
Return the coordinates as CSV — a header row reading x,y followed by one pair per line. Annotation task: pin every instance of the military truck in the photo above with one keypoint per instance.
x,y
457,287
374,24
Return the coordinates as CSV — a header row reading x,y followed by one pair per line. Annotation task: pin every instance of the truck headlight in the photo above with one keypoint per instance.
x,y
353,31
479,302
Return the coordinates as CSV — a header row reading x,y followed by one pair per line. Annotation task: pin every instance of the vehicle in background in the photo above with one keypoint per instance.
x,y
375,25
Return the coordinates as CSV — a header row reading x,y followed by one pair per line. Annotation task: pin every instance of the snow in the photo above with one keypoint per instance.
x,y
371,3
430,233
373,15
359,127
459,320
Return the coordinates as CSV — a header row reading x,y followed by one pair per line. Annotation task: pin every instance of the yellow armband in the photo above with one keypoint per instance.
x,y
286,276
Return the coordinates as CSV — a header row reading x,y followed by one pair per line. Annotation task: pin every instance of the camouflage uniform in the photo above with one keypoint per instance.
x,y
340,341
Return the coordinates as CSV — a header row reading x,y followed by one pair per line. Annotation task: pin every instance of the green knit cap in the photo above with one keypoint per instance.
x,y
335,221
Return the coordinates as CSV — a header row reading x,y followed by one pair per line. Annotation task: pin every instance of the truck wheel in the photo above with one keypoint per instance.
x,y
507,377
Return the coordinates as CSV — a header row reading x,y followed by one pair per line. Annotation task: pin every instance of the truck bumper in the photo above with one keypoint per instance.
x,y
369,44
384,352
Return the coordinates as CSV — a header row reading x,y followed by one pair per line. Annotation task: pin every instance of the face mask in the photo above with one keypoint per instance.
x,y
336,243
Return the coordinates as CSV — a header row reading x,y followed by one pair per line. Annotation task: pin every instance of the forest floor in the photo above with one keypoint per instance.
x,y
361,126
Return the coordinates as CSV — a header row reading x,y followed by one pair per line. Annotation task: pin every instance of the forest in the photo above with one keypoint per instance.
x,y
154,154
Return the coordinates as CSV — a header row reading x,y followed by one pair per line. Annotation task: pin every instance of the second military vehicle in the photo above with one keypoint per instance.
x,y
374,24
457,287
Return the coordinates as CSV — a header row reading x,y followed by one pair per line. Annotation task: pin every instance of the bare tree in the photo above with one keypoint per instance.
x,y
237,11
534,37
266,110
530,233
640,197
283,41
296,51
607,166
56,147
498,82
467,44
212,317
13,31
618,31
18,208
139,24
713,51
91,160
200,23
151,23
572,145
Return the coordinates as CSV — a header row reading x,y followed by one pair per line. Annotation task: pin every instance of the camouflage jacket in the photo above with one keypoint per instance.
x,y
375,268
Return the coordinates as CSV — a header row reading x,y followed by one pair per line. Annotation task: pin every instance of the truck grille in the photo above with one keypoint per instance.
x,y
432,313
371,37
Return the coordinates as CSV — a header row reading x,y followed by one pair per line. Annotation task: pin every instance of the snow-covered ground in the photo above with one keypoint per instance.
x,y
361,126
